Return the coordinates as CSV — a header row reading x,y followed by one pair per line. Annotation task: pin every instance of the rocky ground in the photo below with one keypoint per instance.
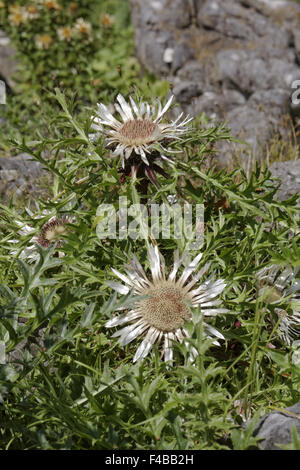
x,y
20,177
233,60
275,428
8,63
289,173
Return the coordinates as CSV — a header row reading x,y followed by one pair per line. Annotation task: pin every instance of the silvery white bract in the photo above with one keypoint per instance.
x,y
162,304
30,252
278,284
140,129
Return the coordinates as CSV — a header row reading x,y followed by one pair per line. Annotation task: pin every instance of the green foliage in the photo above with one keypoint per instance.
x,y
243,439
73,387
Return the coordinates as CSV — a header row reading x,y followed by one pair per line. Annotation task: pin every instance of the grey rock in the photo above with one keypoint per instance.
x,y
241,70
230,19
283,74
275,428
280,10
21,175
249,73
296,36
278,99
182,54
193,71
180,12
151,52
186,90
254,128
249,123
8,61
153,19
32,345
22,164
215,104
234,60
289,174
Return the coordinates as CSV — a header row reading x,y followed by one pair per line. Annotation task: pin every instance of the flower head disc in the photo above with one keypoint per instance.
x,y
162,305
138,132
165,307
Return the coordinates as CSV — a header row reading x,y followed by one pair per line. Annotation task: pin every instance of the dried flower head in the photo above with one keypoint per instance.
x,y
279,285
162,304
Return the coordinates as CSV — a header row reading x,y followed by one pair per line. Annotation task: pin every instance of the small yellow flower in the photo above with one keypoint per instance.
x,y
107,21
2,5
14,8
65,33
18,16
83,27
43,41
32,12
73,7
52,5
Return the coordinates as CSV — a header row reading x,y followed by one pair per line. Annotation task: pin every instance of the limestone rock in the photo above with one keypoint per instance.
x,y
275,428
235,60
8,62
21,175
289,174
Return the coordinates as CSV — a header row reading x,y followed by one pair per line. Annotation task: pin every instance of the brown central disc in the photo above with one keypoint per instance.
x,y
138,129
165,308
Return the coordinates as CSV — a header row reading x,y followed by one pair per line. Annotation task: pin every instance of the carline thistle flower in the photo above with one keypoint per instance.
x,y
278,284
52,231
140,137
163,304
